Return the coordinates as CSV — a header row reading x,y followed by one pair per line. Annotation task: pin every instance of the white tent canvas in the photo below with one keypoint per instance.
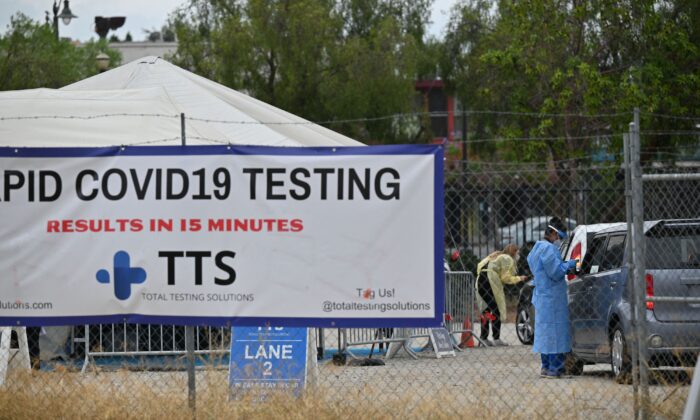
x,y
140,103
48,117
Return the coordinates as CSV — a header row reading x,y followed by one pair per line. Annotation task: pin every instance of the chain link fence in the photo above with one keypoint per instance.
x,y
623,283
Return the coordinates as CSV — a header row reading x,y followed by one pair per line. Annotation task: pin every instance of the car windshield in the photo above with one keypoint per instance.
x,y
674,249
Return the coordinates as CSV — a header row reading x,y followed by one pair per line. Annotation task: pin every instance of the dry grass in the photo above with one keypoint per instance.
x,y
120,396
343,392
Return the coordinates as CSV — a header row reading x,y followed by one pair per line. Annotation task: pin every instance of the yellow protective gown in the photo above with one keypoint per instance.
x,y
502,269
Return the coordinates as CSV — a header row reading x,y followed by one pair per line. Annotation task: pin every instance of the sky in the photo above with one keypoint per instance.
x,y
140,15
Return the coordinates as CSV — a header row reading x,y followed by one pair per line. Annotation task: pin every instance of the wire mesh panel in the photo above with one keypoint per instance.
x,y
142,367
671,281
515,235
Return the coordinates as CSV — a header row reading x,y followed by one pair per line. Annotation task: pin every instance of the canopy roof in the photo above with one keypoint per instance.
x,y
140,103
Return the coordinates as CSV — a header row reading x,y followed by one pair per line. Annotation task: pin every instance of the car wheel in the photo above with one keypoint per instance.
x,y
525,325
619,359
573,365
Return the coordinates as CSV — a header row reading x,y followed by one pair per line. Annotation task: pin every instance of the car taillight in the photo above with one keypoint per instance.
x,y
650,289
575,255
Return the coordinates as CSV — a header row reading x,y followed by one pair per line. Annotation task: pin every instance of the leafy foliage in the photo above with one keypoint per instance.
x,y
571,62
324,60
31,57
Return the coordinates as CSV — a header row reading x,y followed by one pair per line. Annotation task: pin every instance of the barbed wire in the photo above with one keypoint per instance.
x,y
671,132
538,162
535,170
524,139
147,142
668,116
87,117
430,114
583,137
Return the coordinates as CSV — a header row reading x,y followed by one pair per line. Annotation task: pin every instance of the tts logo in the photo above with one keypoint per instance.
x,y
124,275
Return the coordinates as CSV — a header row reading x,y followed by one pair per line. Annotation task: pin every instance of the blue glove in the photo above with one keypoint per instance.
x,y
572,264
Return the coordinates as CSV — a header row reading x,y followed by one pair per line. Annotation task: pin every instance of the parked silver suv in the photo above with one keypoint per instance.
x,y
600,298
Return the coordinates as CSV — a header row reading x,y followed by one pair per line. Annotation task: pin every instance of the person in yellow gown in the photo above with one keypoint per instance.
x,y
492,273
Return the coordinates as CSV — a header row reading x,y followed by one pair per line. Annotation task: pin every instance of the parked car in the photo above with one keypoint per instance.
x,y
600,298
529,230
574,247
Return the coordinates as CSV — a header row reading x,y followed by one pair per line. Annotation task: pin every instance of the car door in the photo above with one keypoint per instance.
x,y
581,307
604,291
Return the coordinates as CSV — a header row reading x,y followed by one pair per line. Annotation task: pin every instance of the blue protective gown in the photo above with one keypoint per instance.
x,y
552,334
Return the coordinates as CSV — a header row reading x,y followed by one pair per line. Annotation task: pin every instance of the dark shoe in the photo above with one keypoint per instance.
x,y
550,375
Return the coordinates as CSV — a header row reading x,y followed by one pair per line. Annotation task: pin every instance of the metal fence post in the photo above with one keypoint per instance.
x,y
463,212
630,266
639,266
189,330
191,385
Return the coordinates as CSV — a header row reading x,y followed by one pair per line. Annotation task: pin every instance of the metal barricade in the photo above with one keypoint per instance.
x,y
459,315
134,340
460,302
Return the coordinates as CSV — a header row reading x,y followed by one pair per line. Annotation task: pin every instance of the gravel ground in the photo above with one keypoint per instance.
x,y
493,382
500,382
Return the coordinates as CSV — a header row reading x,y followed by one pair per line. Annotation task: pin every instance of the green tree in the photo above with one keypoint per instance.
x,y
324,60
562,59
31,57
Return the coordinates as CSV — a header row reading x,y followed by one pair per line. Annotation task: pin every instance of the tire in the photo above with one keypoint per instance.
x,y
525,325
619,357
573,365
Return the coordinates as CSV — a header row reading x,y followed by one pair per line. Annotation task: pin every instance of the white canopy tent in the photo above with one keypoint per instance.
x,y
140,103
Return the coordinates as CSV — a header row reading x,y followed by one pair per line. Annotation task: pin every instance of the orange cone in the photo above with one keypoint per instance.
x,y
467,339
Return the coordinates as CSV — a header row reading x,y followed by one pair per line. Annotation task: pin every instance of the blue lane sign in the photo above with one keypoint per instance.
x,y
265,359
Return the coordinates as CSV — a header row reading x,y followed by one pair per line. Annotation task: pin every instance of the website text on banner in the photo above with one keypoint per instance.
x,y
223,235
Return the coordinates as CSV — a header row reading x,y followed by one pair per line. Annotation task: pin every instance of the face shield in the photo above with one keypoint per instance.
x,y
562,235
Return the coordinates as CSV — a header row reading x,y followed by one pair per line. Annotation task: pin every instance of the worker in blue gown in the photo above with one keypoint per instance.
x,y
552,334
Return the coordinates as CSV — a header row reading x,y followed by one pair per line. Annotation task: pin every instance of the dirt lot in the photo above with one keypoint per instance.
x,y
504,382
495,382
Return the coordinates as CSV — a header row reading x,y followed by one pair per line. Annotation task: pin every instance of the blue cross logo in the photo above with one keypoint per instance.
x,y
124,275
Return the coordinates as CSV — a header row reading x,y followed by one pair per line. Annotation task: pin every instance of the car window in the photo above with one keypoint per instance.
x,y
614,253
594,256
674,249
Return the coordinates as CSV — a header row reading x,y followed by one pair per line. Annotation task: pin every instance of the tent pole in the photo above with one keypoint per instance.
x,y
189,330
182,128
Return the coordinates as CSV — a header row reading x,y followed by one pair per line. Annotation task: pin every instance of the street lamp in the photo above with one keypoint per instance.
x,y
66,15
102,60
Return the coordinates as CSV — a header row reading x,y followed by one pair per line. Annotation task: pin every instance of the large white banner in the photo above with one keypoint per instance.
x,y
222,235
